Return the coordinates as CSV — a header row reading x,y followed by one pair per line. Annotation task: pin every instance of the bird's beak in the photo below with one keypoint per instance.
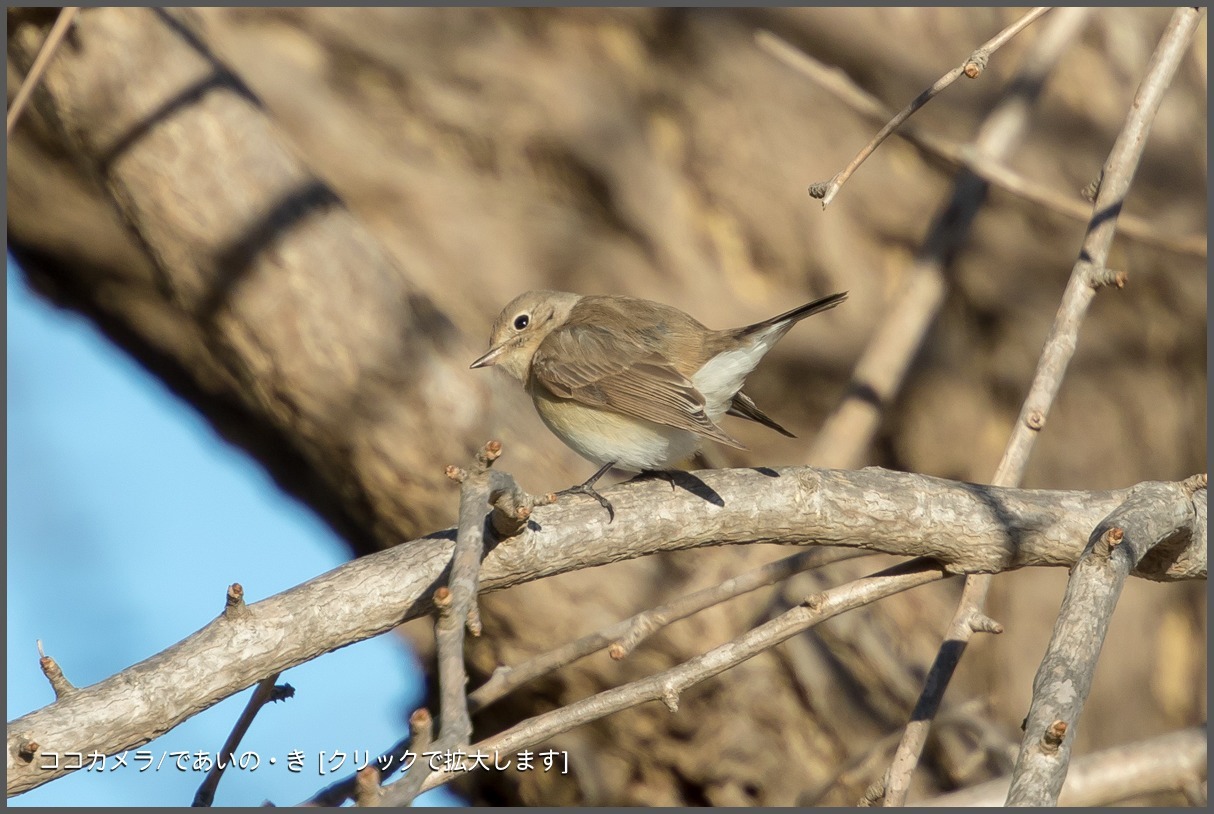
x,y
490,358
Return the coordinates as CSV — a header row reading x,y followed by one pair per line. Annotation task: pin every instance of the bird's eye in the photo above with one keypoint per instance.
x,y
521,322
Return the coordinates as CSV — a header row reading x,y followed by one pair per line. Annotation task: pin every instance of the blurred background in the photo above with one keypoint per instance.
x,y
658,153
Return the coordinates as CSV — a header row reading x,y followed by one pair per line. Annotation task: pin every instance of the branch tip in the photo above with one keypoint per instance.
x,y
976,64
1092,189
234,606
488,454
1195,483
442,598
981,623
1109,540
671,699
54,674
873,795
1053,736
617,651
1101,277
421,717
421,728
456,474
1035,420
28,750
368,787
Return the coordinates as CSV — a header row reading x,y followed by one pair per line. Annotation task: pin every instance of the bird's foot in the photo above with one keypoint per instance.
x,y
588,489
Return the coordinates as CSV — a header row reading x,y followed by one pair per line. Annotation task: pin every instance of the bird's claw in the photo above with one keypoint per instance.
x,y
587,489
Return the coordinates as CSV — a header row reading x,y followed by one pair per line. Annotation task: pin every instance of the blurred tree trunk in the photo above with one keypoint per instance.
x,y
304,221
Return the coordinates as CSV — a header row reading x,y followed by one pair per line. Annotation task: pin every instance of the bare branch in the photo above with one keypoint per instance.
x,y
972,67
1154,515
1059,347
1118,173
623,636
849,430
421,735
458,610
56,36
959,156
667,685
261,696
1039,774
1160,764
456,615
966,527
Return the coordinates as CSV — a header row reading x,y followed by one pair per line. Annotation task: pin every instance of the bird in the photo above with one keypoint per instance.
x,y
631,383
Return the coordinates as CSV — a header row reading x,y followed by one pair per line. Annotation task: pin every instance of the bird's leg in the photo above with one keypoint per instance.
x,y
587,488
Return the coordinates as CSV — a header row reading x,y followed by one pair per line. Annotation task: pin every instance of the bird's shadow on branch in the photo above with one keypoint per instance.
x,y
1013,526
677,478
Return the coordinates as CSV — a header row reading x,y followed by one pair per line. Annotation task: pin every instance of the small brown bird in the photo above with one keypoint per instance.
x,y
632,383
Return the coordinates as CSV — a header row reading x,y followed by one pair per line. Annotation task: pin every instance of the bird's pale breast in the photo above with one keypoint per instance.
x,y
601,435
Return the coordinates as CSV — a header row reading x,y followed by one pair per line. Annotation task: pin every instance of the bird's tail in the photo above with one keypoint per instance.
x,y
790,318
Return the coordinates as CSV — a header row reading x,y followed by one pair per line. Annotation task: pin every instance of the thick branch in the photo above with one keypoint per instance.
x,y
966,527
1154,515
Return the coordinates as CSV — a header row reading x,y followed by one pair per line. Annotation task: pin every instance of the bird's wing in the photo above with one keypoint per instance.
x,y
590,365
744,406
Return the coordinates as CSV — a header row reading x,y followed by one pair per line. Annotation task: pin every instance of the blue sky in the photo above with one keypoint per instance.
x,y
128,517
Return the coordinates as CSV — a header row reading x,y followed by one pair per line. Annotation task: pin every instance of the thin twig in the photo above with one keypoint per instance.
x,y
965,721
56,36
623,636
861,646
668,684
969,618
971,67
421,734
481,488
1161,764
262,695
848,431
958,155
1156,513
456,611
